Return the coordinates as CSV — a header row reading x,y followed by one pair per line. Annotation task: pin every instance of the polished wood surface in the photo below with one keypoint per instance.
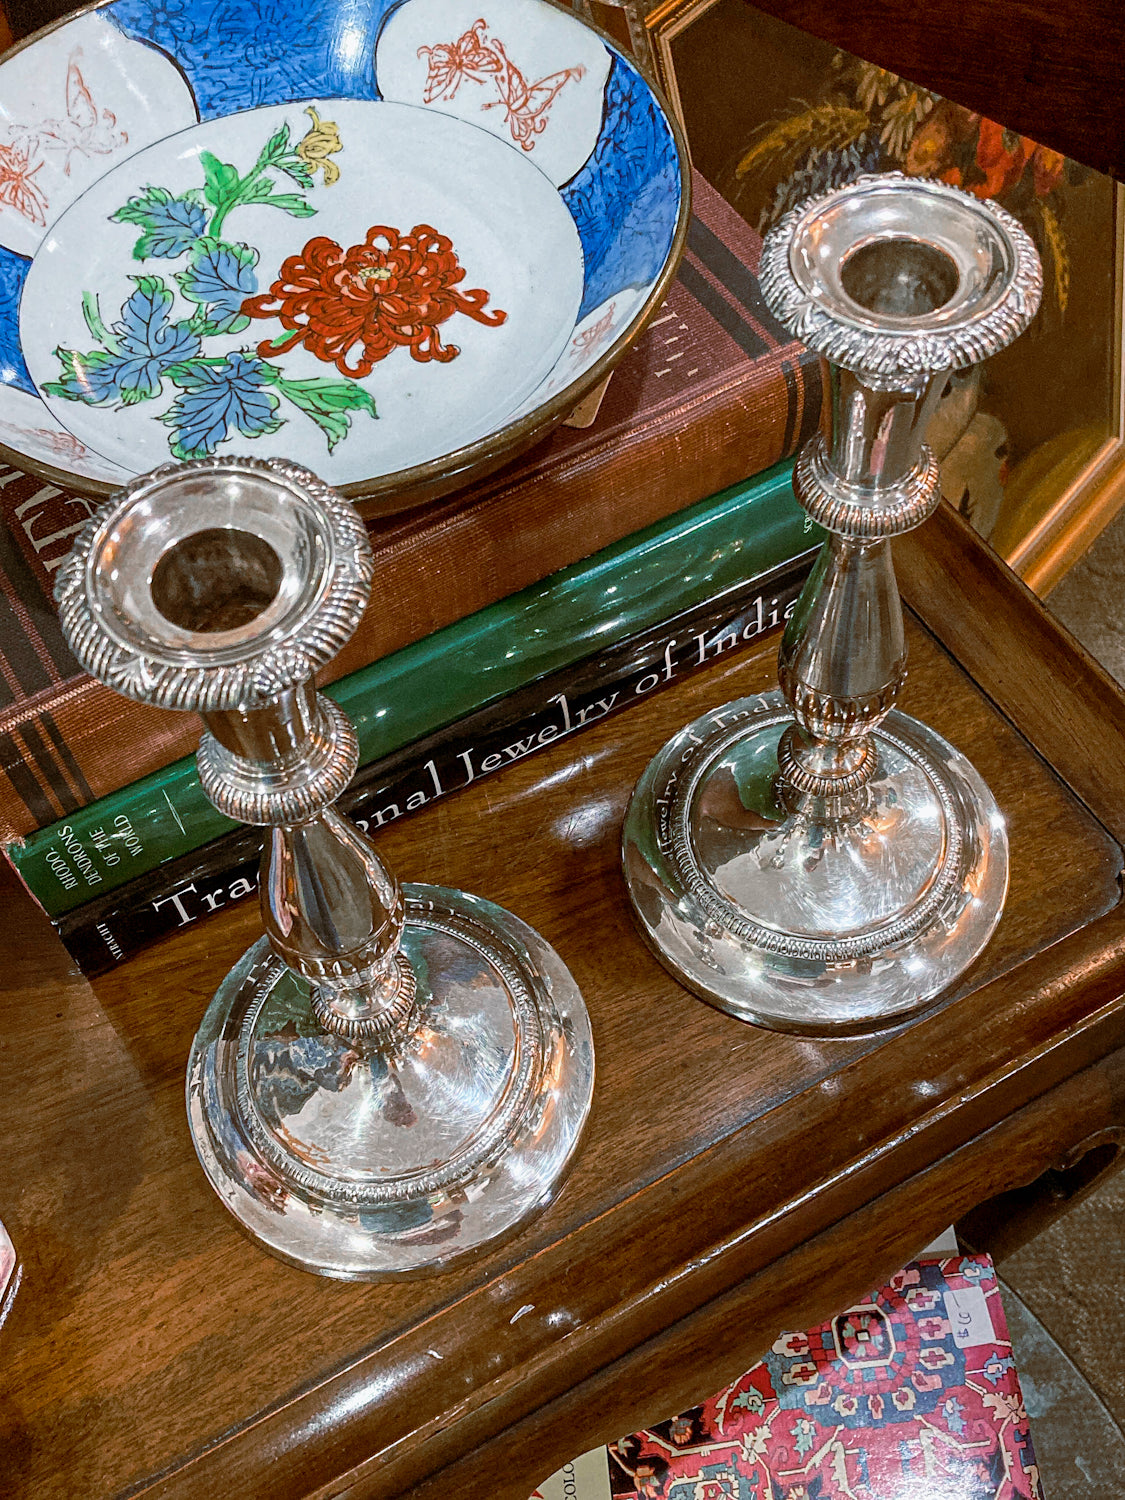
x,y
1050,71
731,1181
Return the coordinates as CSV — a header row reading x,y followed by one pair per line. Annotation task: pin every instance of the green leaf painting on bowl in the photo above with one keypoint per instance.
x,y
210,302
221,394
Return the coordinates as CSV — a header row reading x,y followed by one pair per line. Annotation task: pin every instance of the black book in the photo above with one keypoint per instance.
x,y
104,932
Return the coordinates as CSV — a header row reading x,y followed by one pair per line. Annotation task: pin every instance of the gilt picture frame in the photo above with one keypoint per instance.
x,y
1036,450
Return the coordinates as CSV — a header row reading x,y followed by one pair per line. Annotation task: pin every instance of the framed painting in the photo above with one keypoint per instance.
x,y
1033,445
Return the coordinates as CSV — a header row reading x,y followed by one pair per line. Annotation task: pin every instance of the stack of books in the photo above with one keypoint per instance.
x,y
578,580
910,1395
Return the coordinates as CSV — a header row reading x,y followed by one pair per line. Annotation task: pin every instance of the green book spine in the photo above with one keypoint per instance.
x,y
647,577
106,930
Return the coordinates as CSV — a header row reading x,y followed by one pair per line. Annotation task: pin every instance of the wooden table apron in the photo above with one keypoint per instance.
x,y
732,1181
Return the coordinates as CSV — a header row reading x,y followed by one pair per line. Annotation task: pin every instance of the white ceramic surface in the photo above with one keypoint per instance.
x,y
71,107
496,74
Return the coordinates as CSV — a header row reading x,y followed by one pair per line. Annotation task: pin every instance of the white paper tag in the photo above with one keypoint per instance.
x,y
967,1310
945,1244
585,1478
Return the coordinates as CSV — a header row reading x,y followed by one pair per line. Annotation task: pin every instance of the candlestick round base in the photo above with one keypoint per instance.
x,y
800,921
360,1160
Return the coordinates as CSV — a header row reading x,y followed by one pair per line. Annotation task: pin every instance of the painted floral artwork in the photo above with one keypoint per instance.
x,y
484,60
390,292
507,199
350,308
84,130
874,121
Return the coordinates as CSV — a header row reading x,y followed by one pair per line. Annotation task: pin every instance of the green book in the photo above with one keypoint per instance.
x,y
633,584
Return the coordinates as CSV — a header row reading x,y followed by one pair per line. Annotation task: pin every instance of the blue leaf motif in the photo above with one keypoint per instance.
x,y
146,329
218,400
175,226
144,344
221,277
93,378
171,225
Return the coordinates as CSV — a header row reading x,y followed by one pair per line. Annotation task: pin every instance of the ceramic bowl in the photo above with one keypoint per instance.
x,y
392,240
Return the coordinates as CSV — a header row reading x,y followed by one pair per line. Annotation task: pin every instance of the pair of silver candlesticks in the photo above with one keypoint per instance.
x,y
394,1076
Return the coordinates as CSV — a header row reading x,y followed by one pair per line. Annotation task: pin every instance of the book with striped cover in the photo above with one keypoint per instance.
x,y
712,393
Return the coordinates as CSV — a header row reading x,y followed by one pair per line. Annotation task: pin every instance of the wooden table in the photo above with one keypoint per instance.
x,y
732,1181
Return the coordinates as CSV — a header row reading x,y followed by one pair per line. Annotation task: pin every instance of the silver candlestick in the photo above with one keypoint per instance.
x,y
393,1076
812,859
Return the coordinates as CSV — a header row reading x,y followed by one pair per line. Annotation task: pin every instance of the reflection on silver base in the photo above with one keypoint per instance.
x,y
801,923
356,1161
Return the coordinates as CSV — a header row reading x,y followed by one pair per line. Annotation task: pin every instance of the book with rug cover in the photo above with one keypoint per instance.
x,y
713,392
627,587
105,931
910,1395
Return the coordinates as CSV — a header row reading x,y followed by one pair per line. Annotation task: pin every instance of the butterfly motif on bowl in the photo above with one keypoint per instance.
x,y
85,130
483,59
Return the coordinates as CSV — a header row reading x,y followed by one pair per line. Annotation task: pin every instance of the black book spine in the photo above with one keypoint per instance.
x,y
104,932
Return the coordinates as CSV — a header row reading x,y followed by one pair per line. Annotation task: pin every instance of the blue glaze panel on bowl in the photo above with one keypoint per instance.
x,y
241,54
625,198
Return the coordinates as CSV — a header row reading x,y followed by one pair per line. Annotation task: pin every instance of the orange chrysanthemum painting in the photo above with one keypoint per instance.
x,y
352,307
